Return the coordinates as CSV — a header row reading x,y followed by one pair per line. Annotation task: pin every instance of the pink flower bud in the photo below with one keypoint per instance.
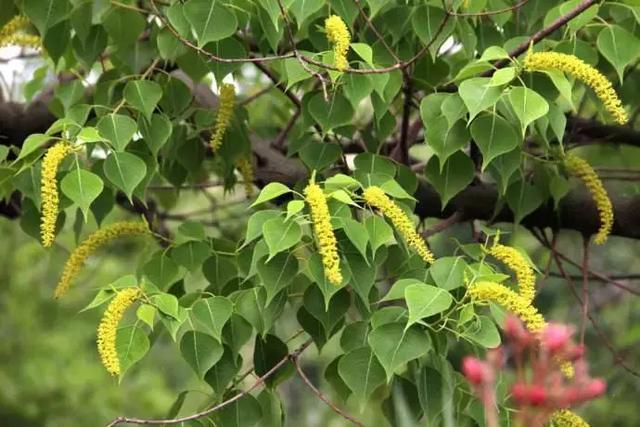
x,y
473,369
537,395
556,337
595,388
519,393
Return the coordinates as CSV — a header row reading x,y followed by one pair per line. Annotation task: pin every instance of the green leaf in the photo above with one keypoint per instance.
x,y
317,156
82,187
619,46
354,336
329,115
270,192
210,20
494,136
293,208
445,139
485,333
244,412
161,270
255,223
528,105
191,254
223,371
302,9
363,276
478,95
32,143
117,129
146,313
395,346
364,51
448,272
268,351
455,175
167,304
316,274
357,233
131,346
46,13
219,270
143,95
280,235
523,198
201,351
380,233
125,171
362,372
251,305
397,289
426,22
277,273
424,301
212,314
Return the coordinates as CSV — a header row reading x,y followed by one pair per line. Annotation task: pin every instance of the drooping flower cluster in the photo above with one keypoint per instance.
x,y
90,244
377,198
12,33
513,259
107,330
225,112
49,191
541,391
583,171
327,243
245,167
339,36
574,66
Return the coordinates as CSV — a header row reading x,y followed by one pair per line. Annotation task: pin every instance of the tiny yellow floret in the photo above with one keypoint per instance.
x,y
225,112
245,167
513,259
49,191
377,198
90,244
566,418
339,36
11,35
570,64
584,172
327,242
108,328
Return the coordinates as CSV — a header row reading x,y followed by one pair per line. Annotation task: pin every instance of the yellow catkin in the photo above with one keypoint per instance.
x,y
339,36
526,312
90,244
245,167
513,259
49,191
582,170
225,112
108,328
574,66
566,418
10,33
377,198
327,243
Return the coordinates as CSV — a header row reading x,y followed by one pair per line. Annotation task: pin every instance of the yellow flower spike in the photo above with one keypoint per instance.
x,y
49,191
10,33
526,312
108,328
566,418
90,244
338,35
574,66
225,112
377,198
245,167
583,171
327,243
513,259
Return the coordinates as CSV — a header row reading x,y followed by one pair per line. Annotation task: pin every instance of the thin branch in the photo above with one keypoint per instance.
x,y
322,397
585,287
209,411
491,12
443,225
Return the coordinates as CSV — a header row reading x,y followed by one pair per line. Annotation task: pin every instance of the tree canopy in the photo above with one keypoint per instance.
x,y
388,180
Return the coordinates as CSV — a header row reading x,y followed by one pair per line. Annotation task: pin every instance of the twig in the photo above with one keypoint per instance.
x,y
491,12
585,287
202,414
255,96
401,152
322,397
443,225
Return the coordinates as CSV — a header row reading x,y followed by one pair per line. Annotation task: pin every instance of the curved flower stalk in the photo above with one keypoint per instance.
x,y
574,66
245,167
10,34
107,330
90,244
327,242
225,112
513,259
584,172
377,198
49,190
339,36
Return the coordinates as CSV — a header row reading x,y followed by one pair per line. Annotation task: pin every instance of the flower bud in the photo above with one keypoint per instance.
x,y
473,369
